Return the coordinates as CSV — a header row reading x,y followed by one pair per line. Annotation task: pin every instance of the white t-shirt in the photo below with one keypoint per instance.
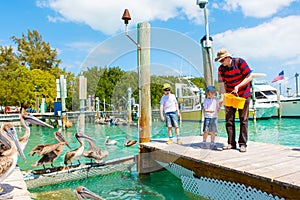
x,y
169,103
212,105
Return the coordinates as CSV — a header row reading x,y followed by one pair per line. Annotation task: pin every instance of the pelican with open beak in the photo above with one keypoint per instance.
x,y
84,193
9,158
27,119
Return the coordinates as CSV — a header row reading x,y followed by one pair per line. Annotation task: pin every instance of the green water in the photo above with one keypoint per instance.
x,y
160,185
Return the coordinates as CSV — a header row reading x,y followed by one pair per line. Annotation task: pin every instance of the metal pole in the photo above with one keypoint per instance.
x,y
129,106
63,102
144,82
297,84
207,54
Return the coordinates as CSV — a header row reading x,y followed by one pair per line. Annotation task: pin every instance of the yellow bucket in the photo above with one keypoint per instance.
x,y
238,102
228,98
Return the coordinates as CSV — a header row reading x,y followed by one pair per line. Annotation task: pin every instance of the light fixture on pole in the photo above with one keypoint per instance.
x,y
126,17
207,48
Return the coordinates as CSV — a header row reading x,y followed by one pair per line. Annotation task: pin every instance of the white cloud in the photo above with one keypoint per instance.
x,y
257,8
276,39
105,15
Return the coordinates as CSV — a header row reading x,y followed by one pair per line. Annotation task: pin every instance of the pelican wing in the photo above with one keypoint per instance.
x,y
52,147
38,149
5,163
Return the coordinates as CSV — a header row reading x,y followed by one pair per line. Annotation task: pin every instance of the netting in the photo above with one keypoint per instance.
x,y
215,189
177,170
32,180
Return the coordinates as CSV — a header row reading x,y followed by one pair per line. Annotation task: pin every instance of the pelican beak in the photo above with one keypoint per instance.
x,y
61,138
33,120
84,193
11,132
4,141
82,135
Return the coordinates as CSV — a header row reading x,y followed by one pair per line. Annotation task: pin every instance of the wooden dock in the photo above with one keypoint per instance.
x,y
14,186
270,168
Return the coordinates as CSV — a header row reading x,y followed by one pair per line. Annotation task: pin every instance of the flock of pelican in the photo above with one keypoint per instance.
x,y
11,146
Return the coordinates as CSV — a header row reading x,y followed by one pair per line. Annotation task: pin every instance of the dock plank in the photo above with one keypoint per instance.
x,y
269,167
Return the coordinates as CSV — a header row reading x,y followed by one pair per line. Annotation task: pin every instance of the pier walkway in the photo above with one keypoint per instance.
x,y
273,169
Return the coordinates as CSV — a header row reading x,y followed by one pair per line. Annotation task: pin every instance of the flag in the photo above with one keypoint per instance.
x,y
279,77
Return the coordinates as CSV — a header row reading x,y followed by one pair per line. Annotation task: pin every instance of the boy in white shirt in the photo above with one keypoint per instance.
x,y
211,109
169,105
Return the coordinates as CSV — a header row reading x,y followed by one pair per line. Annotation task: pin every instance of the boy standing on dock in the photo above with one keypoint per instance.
x,y
234,76
211,109
169,106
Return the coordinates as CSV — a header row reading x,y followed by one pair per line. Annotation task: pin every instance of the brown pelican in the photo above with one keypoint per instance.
x,y
76,153
49,151
94,152
110,142
83,193
128,143
9,158
27,119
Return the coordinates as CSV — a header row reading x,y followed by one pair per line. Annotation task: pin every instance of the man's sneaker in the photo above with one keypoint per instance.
x,y
243,148
228,147
169,141
179,141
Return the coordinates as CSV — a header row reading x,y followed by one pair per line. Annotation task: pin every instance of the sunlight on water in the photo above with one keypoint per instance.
x,y
160,185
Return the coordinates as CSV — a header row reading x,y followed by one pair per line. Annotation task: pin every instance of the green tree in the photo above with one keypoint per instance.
x,y
35,53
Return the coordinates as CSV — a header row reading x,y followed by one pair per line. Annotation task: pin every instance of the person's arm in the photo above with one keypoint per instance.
x,y
244,82
222,91
161,109
177,108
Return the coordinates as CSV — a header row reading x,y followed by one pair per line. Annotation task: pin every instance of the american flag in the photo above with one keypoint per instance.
x,y
280,76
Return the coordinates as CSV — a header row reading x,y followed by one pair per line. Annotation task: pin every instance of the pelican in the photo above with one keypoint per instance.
x,y
27,119
9,158
83,193
129,143
76,153
110,142
94,152
49,151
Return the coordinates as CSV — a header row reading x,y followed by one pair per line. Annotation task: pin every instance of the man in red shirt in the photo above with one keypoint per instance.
x,y
234,76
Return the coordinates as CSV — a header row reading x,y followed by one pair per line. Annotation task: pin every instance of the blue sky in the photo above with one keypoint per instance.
x,y
91,32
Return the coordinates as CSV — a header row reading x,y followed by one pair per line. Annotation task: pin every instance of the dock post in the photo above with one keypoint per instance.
x,y
145,119
82,98
144,81
63,95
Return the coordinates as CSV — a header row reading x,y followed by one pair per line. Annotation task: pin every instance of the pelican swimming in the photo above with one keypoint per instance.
x,y
9,158
49,152
129,143
110,142
76,153
83,193
95,153
27,119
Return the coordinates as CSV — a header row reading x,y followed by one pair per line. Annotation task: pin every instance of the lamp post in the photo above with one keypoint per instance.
x,y
206,42
143,54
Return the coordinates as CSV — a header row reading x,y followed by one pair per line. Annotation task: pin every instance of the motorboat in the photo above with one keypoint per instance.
x,y
267,94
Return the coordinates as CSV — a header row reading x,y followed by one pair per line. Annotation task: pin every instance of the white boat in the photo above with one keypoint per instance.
x,y
265,93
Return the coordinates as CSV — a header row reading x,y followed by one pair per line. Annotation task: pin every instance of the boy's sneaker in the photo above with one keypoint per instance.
x,y
179,141
169,141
